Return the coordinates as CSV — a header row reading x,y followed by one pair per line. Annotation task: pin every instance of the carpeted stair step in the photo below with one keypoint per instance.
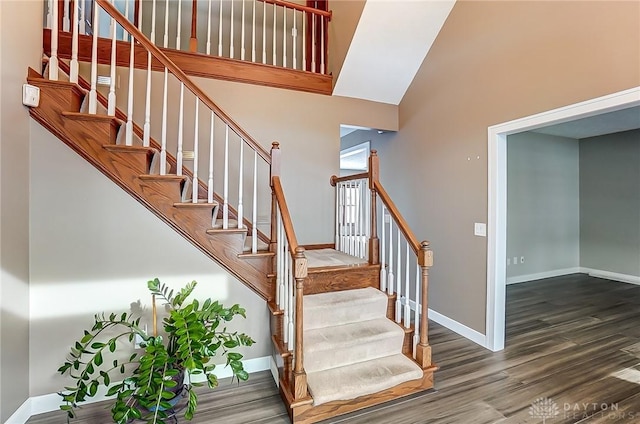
x,y
336,346
362,378
342,307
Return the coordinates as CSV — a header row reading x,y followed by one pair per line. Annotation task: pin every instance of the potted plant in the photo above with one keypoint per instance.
x,y
147,385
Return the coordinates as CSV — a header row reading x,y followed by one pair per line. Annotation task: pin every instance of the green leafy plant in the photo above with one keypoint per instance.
x,y
147,384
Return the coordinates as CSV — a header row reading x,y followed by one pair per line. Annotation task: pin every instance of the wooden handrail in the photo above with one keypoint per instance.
x,y
397,217
361,176
286,216
175,70
300,7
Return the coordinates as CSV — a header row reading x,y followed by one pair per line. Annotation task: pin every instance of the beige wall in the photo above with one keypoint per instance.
x,y
20,47
491,63
344,20
93,248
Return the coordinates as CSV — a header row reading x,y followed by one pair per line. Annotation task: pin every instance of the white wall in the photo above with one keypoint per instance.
x,y
20,47
93,248
543,212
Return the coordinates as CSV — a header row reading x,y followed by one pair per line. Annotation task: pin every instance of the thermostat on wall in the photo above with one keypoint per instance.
x,y
30,95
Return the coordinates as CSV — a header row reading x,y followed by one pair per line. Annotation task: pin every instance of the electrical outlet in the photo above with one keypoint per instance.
x,y
521,259
30,95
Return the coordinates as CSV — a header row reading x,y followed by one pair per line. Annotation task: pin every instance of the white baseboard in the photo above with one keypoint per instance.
x,y
453,325
615,276
51,402
540,275
456,327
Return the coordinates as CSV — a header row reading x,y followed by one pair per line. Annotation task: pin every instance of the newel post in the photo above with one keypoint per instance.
x,y
299,375
374,173
423,350
274,172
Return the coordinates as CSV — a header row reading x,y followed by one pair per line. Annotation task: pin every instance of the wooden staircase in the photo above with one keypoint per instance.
x,y
314,270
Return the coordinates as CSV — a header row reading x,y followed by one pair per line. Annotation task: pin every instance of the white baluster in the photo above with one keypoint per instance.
x,y
242,49
240,184
253,33
111,100
231,35
165,38
165,107
383,256
210,181
367,194
416,315
93,94
294,34
195,185
322,21
290,298
225,191
304,41
179,27
284,37
180,131
220,31
285,276
352,218
66,19
49,13
73,65
274,36
153,22
264,32
53,60
254,217
208,29
129,126
391,281
125,34
398,280
279,296
357,220
407,307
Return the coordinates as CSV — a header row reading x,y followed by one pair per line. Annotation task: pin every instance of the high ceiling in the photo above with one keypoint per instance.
x,y
390,43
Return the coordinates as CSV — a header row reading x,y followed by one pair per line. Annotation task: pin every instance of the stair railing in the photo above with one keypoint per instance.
x,y
291,271
404,261
198,131
271,32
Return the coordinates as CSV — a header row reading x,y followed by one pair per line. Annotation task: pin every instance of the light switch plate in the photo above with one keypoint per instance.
x,y
30,95
480,229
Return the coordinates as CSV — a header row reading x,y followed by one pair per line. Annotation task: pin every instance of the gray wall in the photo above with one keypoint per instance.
x,y
543,216
610,203
20,47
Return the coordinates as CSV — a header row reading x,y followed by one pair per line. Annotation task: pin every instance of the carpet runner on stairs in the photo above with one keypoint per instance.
x,y
351,349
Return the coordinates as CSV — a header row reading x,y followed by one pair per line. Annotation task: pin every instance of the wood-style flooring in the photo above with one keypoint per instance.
x,y
573,341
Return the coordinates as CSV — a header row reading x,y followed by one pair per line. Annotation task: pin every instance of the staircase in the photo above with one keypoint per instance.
x,y
348,320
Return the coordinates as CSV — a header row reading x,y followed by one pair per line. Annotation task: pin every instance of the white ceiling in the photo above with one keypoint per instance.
x,y
392,39
605,123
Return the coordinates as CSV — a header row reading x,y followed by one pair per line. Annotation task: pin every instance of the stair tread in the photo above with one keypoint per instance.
x,y
317,258
340,307
202,203
351,334
363,378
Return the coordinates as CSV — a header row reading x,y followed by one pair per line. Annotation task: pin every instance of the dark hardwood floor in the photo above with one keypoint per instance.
x,y
573,349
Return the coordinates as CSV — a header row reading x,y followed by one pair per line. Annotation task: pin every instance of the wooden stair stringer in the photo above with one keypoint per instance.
x,y
59,103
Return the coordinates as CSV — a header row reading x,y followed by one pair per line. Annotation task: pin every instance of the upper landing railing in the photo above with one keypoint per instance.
x,y
271,32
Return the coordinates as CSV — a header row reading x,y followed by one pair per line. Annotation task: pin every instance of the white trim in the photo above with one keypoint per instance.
x,y
540,275
496,214
22,414
455,326
51,402
608,275
451,324
274,371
